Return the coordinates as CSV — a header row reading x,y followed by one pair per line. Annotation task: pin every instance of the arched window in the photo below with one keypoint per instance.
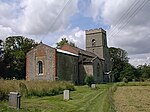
x,y
98,69
40,67
93,42
93,50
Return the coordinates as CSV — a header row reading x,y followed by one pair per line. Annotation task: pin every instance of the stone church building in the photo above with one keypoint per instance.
x,y
71,63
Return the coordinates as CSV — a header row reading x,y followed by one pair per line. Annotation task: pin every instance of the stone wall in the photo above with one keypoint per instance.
x,y
67,67
47,56
98,70
100,47
88,69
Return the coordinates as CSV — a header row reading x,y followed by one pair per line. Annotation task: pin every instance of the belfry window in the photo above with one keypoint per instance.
x,y
40,67
93,42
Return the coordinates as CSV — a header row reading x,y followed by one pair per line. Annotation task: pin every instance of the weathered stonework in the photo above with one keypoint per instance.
x,y
96,42
46,55
67,67
71,63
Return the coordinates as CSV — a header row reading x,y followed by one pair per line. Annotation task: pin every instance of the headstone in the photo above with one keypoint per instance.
x,y
93,86
14,99
133,80
66,94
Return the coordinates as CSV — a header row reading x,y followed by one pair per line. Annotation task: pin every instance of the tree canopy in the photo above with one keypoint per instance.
x,y
144,71
1,49
64,41
15,49
123,69
119,60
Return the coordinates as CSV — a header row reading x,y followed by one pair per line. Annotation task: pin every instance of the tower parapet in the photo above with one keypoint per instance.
x,y
96,42
92,31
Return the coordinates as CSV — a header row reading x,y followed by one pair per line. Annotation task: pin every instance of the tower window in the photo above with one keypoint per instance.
x,y
93,42
93,50
40,67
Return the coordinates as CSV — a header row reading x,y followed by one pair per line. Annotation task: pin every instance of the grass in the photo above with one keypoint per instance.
x,y
133,84
132,97
33,88
84,99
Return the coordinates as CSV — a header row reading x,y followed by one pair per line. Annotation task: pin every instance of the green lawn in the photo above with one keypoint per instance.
x,y
84,99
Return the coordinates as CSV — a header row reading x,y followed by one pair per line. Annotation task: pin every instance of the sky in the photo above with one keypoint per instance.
x,y
127,22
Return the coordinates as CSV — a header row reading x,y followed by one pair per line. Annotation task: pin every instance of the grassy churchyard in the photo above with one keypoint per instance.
x,y
83,99
130,97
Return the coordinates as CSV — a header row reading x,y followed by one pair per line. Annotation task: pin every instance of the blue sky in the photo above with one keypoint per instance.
x,y
33,19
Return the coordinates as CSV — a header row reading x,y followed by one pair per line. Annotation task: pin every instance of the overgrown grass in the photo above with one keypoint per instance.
x,y
133,84
33,88
84,99
125,93
132,99
110,94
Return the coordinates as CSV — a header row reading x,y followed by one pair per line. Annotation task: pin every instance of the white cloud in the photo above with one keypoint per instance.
x,y
140,59
5,32
132,36
33,18
96,8
36,17
39,17
76,36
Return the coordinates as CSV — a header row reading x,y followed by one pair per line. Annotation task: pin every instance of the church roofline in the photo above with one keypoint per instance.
x,y
40,44
98,58
66,52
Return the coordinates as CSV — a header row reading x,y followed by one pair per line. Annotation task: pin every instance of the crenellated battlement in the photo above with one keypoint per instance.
x,y
97,30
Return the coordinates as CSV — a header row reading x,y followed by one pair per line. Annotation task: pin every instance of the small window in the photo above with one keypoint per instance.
x,y
93,42
93,50
40,67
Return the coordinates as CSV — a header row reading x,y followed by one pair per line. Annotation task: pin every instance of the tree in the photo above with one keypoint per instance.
x,y
15,49
1,49
144,71
64,41
119,60
129,72
2,65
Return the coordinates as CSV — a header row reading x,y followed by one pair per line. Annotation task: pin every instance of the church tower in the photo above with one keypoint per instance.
x,y
96,42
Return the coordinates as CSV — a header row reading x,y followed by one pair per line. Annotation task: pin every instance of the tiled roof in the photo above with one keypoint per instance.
x,y
84,52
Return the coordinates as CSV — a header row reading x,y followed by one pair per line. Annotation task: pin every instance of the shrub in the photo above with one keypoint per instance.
x,y
125,80
23,89
89,80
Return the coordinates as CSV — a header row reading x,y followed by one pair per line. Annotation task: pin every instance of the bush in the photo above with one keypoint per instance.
x,y
89,80
125,80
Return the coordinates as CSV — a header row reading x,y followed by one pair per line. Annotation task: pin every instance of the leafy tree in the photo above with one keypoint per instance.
x,y
1,48
128,72
15,49
72,44
144,71
119,60
64,41
2,65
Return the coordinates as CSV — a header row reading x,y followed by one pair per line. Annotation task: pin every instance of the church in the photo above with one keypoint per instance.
x,y
71,63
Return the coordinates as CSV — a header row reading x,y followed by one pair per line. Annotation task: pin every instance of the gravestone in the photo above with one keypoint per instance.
x,y
93,86
14,99
66,94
